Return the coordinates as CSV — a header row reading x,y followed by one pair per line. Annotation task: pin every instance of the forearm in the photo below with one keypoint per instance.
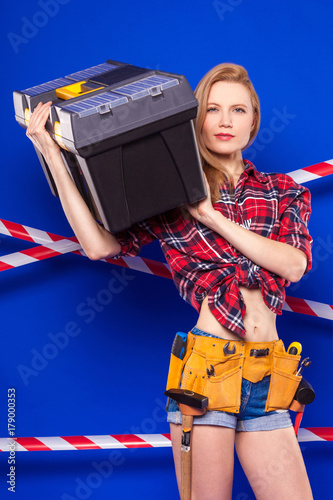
x,y
277,257
94,239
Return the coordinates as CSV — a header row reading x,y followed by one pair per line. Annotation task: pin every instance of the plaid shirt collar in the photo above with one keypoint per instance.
x,y
250,169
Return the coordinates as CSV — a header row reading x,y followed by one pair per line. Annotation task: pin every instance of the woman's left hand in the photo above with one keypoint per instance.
x,y
202,210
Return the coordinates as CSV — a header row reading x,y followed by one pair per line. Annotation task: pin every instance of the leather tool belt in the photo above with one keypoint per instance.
x,y
215,368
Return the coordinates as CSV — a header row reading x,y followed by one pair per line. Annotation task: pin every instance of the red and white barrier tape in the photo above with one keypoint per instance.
x,y
316,171
54,245
65,245
315,434
122,441
310,307
37,254
86,442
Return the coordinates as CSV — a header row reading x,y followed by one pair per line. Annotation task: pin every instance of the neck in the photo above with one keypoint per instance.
x,y
234,165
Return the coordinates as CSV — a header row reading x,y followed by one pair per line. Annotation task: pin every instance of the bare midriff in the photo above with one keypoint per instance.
x,y
259,320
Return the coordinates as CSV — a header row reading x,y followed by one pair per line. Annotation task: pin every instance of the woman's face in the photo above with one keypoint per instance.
x,y
229,118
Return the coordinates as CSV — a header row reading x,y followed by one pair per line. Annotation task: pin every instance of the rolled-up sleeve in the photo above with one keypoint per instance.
x,y
295,210
131,240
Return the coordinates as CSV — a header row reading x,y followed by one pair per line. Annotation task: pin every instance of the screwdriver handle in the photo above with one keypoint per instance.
x,y
295,348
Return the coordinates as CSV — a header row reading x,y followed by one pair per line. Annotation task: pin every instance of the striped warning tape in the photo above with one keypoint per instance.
x,y
316,171
47,239
310,307
55,443
315,434
121,441
36,254
60,245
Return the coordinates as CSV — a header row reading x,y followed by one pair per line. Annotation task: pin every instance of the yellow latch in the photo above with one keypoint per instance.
x,y
27,116
58,136
74,90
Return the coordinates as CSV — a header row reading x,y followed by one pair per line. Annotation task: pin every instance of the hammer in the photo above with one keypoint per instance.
x,y
190,404
304,395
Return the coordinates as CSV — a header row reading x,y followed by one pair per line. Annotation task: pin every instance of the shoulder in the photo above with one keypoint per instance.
x,y
283,183
290,194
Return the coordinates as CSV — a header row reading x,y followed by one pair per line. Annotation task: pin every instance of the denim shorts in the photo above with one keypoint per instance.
x,y
252,415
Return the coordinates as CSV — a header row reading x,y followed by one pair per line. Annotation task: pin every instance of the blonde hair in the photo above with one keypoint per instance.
x,y
226,72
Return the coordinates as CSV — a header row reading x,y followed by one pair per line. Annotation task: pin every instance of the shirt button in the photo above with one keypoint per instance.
x,y
168,256
195,280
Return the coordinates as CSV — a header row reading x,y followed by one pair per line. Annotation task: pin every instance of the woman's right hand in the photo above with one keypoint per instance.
x,y
38,134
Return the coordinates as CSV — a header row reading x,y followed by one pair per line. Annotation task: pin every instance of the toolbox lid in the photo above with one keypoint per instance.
x,y
102,103
87,74
152,85
109,101
73,77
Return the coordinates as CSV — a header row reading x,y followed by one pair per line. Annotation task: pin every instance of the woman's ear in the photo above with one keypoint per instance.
x,y
254,121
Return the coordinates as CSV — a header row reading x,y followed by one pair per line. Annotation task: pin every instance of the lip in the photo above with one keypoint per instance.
x,y
224,137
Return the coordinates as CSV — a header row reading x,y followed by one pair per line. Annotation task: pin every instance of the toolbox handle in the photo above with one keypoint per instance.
x,y
75,90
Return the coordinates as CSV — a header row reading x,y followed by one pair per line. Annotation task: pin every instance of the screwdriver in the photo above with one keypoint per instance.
x,y
295,348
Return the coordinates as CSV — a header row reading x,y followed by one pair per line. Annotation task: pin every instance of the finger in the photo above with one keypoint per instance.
x,y
36,110
39,118
41,110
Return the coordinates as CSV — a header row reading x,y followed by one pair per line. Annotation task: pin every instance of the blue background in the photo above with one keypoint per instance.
x,y
110,377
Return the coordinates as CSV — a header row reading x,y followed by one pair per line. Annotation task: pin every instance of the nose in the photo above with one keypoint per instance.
x,y
225,120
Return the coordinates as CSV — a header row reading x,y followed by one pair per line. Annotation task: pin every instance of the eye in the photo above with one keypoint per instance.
x,y
240,110
211,108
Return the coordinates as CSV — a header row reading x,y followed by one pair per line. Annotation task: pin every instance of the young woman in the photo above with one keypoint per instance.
x,y
231,256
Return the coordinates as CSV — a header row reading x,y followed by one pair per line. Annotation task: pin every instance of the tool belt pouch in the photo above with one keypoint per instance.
x,y
175,371
220,379
284,381
176,365
213,369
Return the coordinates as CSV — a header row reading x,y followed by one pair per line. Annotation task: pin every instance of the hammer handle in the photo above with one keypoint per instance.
x,y
186,455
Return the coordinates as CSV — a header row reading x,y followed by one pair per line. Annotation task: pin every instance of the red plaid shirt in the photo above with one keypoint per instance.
x,y
203,263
